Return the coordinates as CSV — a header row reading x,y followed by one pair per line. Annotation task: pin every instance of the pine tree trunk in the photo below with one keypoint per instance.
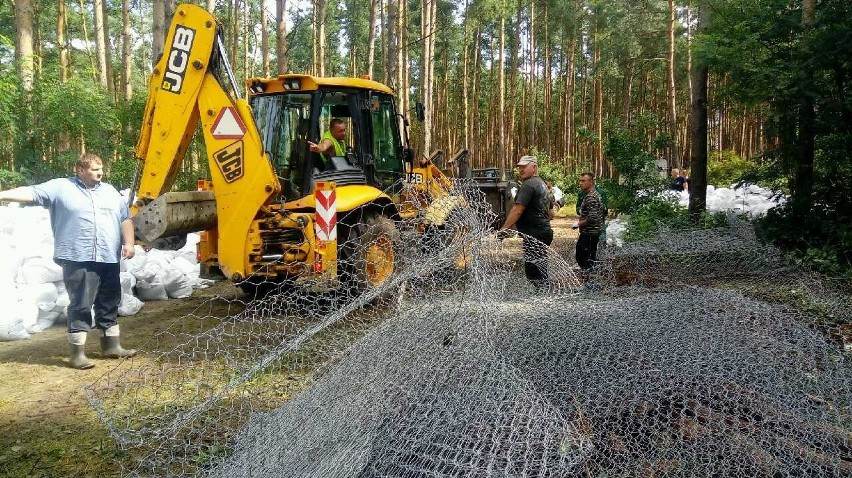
x,y
281,37
62,43
806,144
403,54
84,21
547,87
322,10
38,54
126,52
391,42
233,31
598,101
531,95
688,146
465,86
429,12
698,129
158,30
100,44
501,156
264,42
371,39
670,88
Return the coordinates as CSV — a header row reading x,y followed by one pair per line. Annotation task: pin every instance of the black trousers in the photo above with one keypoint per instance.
x,y
587,252
535,257
91,284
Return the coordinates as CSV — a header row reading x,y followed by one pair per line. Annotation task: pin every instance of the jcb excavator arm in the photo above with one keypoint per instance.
x,y
183,90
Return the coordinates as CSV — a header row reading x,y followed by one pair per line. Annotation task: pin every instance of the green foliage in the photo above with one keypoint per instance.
x,y
726,168
797,74
556,172
10,101
658,211
626,148
11,179
822,241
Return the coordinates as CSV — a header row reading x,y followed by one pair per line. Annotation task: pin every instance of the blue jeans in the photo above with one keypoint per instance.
x,y
91,284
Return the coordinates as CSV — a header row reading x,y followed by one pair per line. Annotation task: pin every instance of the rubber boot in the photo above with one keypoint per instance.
x,y
77,351
111,347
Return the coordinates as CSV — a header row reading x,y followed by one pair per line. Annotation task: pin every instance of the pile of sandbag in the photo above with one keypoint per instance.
x,y
749,199
33,296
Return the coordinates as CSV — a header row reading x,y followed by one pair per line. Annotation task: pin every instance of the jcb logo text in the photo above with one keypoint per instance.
x,y
178,59
230,161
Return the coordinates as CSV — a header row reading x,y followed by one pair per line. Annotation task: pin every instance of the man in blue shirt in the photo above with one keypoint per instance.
x,y
92,231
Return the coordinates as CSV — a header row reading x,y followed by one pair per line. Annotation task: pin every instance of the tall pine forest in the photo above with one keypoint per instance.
x,y
731,90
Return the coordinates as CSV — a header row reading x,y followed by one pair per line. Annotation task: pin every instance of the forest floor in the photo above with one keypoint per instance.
x,y
47,429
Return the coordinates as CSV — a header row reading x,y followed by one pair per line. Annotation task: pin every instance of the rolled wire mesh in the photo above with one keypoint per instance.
x,y
680,356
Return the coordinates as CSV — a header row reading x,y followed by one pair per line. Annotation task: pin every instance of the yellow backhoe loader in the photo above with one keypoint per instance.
x,y
273,210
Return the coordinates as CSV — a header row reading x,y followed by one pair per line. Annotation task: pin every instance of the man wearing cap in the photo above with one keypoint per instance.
x,y
531,215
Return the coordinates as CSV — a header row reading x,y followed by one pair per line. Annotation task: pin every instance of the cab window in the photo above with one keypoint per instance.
x,y
386,145
282,121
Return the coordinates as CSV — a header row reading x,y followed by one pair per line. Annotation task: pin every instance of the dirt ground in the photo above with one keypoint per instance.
x,y
47,428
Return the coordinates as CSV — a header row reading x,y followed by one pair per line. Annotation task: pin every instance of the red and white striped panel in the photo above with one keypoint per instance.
x,y
326,218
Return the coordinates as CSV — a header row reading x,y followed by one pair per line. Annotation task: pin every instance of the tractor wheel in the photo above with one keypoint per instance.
x,y
452,233
368,256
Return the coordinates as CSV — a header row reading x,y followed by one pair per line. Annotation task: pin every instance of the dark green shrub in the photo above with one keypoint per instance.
x,y
726,168
658,211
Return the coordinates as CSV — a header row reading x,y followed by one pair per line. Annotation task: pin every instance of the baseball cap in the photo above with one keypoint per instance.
x,y
525,160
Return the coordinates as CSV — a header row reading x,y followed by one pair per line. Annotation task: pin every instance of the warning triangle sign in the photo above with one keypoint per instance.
x,y
228,125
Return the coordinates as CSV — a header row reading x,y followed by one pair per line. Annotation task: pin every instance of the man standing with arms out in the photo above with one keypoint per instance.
x,y
331,143
531,215
92,231
590,224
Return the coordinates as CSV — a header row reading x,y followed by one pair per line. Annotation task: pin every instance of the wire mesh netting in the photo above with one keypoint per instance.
x,y
698,353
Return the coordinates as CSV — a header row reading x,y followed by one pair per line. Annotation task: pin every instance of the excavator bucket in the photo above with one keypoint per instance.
x,y
175,214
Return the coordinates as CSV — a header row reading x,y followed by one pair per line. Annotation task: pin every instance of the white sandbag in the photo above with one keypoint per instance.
x,y
39,270
11,322
184,266
62,299
129,305
45,319
152,289
10,261
147,272
191,257
190,250
162,258
140,257
20,312
177,284
43,296
128,281
13,330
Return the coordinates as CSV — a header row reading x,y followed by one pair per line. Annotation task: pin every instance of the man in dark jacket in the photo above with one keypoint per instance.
x,y
591,224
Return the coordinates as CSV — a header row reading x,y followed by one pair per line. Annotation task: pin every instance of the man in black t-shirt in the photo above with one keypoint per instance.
x,y
531,216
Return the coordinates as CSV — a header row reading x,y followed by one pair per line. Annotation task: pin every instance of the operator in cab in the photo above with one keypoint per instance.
x,y
331,143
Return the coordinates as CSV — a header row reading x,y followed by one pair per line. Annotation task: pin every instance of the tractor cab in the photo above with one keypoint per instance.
x,y
291,110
